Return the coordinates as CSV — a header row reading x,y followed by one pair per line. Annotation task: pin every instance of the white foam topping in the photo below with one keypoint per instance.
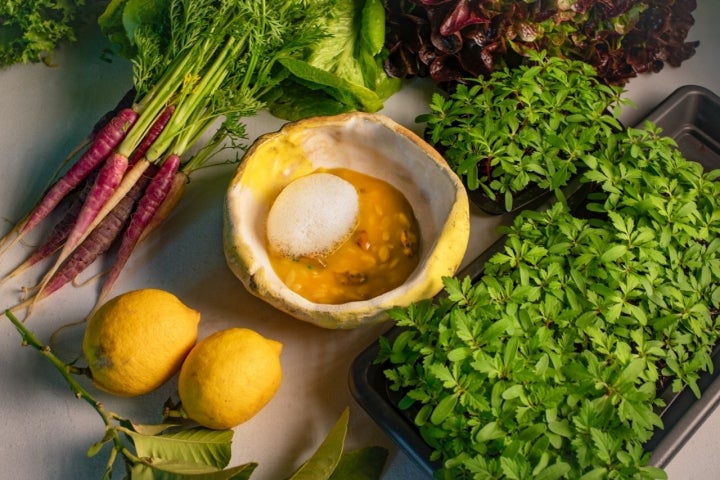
x,y
312,215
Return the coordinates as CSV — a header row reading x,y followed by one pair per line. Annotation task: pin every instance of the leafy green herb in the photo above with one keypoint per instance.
x,y
552,363
177,450
31,31
531,126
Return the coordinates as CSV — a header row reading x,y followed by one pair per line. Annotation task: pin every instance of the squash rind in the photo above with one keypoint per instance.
x,y
436,193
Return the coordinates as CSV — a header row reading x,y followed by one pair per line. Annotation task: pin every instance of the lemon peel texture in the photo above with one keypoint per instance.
x,y
138,340
229,376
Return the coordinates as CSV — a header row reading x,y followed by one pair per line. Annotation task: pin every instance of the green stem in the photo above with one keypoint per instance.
x,y
196,106
164,93
151,106
67,371
206,152
192,135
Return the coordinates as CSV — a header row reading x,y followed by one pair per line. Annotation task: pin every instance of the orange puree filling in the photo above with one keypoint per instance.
x,y
378,256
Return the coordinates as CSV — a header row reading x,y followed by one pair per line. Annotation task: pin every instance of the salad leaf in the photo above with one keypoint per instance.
x,y
341,72
452,40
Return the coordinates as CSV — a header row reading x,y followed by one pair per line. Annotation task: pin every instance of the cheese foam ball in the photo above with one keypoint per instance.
x,y
313,215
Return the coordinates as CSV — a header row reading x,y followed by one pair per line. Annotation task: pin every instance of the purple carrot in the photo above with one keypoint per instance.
x,y
98,242
177,190
95,244
107,181
105,186
155,130
104,140
103,144
55,240
156,192
59,233
125,102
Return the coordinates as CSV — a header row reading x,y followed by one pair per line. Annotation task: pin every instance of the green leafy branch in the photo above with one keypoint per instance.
x,y
175,451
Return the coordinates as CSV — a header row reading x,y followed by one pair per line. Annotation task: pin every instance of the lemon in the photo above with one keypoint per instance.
x,y
138,340
229,376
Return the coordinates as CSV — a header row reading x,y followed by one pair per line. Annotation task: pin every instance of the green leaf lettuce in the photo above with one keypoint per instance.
x,y
342,71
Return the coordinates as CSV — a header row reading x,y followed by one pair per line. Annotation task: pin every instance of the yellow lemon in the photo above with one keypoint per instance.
x,y
229,376
138,340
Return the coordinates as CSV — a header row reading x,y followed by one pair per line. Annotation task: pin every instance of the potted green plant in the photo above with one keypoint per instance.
x,y
523,131
549,365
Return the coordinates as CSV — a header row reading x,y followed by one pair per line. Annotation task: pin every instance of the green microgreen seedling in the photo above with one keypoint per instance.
x,y
526,127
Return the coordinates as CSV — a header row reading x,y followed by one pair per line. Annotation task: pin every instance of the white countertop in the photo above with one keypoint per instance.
x,y
45,431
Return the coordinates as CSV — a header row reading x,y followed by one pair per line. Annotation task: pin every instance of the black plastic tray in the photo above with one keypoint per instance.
x,y
690,115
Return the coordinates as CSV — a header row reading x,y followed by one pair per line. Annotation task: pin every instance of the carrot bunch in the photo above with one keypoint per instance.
x,y
197,65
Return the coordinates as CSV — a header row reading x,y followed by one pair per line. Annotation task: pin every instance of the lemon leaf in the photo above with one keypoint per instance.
x,y
198,445
325,459
189,471
151,429
362,464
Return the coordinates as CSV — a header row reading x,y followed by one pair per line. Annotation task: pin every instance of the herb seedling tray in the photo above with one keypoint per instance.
x,y
690,115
